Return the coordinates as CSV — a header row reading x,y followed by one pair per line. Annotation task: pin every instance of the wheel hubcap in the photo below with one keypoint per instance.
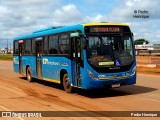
x,y
67,83
28,75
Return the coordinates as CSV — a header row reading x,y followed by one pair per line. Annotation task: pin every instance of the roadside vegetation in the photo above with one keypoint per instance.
x,y
6,57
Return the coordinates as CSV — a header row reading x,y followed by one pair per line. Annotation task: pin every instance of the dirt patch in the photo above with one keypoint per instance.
x,y
148,64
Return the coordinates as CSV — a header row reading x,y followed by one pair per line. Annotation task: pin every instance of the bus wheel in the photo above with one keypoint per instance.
x,y
29,74
66,83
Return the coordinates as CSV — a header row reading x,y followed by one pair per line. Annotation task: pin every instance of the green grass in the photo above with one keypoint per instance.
x,y
6,57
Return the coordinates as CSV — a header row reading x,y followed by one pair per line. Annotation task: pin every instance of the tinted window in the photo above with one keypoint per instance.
x,y
27,47
16,47
110,51
33,46
53,44
64,44
45,45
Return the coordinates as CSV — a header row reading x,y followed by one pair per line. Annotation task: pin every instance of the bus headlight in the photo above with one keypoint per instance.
x,y
92,75
133,71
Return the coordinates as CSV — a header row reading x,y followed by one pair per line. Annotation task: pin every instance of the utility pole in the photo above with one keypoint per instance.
x,y
7,46
10,47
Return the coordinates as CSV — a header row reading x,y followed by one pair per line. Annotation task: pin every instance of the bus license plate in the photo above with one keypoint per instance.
x,y
116,85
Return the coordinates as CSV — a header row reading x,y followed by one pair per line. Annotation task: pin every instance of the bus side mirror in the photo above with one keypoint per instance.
x,y
132,36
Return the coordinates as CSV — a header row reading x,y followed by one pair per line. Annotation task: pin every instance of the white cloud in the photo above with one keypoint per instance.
x,y
126,10
23,16
3,9
68,14
132,2
97,18
129,3
69,7
142,28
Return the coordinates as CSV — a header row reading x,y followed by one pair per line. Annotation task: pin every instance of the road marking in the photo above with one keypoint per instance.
x,y
4,108
10,110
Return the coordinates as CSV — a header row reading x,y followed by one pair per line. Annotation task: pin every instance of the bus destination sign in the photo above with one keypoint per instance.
x,y
107,29
104,29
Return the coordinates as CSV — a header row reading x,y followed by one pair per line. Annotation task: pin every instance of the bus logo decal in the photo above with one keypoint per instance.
x,y
45,61
65,64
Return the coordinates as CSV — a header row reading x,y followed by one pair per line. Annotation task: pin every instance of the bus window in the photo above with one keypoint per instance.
x,y
33,46
53,44
128,45
79,50
45,46
110,49
27,47
64,44
16,48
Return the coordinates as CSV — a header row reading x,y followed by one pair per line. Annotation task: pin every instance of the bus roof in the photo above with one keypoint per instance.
x,y
104,23
49,31
60,29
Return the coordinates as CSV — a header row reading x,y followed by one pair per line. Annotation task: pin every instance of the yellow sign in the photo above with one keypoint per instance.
x,y
106,63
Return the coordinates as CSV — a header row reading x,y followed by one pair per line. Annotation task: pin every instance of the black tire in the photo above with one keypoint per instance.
x,y
66,83
29,74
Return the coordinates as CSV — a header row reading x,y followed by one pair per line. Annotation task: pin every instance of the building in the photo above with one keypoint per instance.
x,y
144,46
147,49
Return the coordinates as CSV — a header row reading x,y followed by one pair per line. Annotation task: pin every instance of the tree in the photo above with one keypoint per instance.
x,y
140,41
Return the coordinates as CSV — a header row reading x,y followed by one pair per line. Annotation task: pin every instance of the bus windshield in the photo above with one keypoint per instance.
x,y
109,51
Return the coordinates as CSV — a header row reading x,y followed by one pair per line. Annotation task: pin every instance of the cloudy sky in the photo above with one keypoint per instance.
x,y
18,17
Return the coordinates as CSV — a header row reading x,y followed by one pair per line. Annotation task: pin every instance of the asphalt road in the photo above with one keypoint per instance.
x,y
17,94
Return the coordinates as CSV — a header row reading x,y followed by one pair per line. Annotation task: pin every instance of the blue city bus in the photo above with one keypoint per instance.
x,y
87,56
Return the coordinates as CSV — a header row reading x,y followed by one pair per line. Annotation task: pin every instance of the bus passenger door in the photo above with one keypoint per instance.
x,y
20,58
76,56
39,58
